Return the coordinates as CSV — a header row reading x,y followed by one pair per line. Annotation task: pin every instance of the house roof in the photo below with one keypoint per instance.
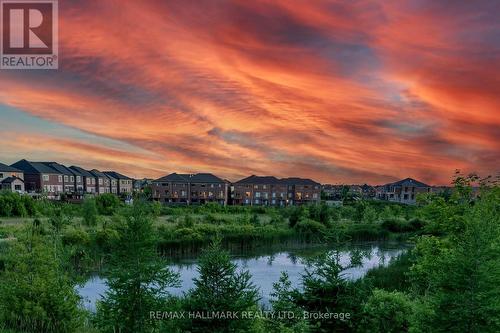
x,y
5,167
34,167
253,179
116,175
80,171
299,181
205,178
408,182
173,177
59,167
188,178
9,180
265,180
98,173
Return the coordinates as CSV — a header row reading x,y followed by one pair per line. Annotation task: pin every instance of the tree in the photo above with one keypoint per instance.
x,y
137,279
36,295
458,276
283,300
107,203
89,211
386,312
221,288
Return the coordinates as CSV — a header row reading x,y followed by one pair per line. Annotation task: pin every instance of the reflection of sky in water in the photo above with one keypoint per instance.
x,y
265,270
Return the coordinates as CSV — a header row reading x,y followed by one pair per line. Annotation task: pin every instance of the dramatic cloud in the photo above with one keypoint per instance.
x,y
339,91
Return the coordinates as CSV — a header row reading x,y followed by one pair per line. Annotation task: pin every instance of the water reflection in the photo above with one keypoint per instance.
x,y
266,268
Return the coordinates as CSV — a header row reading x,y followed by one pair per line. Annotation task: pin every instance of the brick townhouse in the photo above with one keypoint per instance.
x,y
271,191
68,176
103,182
11,179
190,188
88,179
403,191
40,178
124,183
113,183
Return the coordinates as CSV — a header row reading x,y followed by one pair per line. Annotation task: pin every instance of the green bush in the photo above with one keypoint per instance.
x,y
107,203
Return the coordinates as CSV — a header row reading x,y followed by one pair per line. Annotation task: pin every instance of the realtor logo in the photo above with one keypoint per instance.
x,y
29,36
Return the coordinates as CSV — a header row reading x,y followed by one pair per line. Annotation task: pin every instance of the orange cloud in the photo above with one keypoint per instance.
x,y
337,91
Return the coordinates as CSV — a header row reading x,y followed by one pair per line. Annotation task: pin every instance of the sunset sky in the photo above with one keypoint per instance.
x,y
337,91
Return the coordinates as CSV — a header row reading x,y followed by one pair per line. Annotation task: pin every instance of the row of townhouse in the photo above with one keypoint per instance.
x,y
54,179
271,191
254,190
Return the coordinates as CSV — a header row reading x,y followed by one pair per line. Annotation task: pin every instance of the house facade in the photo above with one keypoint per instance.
x,y
124,183
11,179
403,191
271,191
40,178
103,183
88,179
68,176
190,189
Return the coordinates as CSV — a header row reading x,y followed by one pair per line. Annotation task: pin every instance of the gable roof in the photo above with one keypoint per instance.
x,y
80,171
116,175
299,181
205,178
188,178
265,180
34,167
98,173
253,179
409,182
173,177
5,167
58,167
9,180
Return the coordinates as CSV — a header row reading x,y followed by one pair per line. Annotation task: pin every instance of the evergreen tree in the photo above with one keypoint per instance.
x,y
137,279
220,288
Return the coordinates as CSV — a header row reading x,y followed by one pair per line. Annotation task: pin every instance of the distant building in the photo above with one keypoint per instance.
x,y
403,191
41,178
141,184
271,191
125,184
113,183
11,179
190,189
88,180
68,176
102,181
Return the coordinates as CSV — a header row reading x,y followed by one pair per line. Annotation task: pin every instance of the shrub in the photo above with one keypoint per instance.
x,y
107,203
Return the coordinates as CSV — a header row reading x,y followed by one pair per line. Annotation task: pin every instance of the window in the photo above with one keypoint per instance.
x,y
60,179
66,178
88,181
72,178
45,178
264,187
78,179
1,175
257,194
256,186
17,187
315,195
100,181
274,194
406,196
247,194
93,181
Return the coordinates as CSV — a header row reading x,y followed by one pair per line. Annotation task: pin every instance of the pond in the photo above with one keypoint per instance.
x,y
266,268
